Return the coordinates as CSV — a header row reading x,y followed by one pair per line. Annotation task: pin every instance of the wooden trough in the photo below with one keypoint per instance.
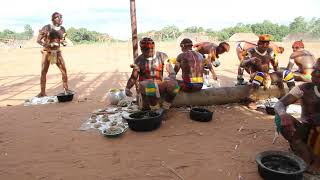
x,y
222,95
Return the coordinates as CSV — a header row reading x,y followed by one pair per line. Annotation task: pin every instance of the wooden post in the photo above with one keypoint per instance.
x,y
134,28
135,43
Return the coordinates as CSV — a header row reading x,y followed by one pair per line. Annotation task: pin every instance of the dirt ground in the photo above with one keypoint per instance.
x,y
43,142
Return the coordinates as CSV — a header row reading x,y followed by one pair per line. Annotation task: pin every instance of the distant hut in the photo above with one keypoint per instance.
x,y
307,37
195,37
244,37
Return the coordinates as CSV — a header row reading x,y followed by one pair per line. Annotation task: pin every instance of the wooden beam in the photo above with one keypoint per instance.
x,y
222,95
134,28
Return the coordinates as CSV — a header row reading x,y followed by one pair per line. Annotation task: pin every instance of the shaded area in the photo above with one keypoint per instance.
x,y
87,85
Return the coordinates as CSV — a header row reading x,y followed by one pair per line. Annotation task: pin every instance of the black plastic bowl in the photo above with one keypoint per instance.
x,y
144,120
62,97
270,110
279,165
201,114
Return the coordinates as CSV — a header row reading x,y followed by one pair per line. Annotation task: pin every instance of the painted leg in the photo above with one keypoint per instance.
x,y
251,100
43,78
61,65
240,79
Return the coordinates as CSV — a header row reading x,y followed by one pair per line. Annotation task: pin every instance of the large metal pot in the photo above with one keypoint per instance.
x,y
115,95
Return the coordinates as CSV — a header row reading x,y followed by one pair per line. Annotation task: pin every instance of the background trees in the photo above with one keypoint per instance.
x,y
25,35
299,25
171,32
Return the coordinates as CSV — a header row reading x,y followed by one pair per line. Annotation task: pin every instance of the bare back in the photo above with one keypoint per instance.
x,y
304,60
205,47
310,103
191,63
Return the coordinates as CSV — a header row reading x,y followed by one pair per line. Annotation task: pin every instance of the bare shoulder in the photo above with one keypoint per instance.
x,y
45,28
251,50
44,31
307,53
162,55
138,60
306,87
63,29
181,55
270,52
295,55
300,54
203,44
198,54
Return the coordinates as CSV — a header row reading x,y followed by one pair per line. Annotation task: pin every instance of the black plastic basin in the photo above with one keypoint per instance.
x,y
144,120
270,110
279,165
62,97
201,114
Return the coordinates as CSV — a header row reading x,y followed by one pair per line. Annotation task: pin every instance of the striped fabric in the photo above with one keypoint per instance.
x,y
193,79
307,75
288,76
151,89
176,89
258,78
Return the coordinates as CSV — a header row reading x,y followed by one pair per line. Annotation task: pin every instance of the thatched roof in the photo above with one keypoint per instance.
x,y
300,36
244,37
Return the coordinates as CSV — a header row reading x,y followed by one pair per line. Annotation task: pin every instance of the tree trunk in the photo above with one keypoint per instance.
x,y
222,95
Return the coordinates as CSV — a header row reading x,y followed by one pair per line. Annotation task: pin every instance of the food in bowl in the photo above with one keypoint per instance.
x,y
113,123
113,131
97,125
105,119
93,116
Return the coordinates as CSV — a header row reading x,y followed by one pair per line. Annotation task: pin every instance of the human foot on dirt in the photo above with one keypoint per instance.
x,y
164,113
41,95
252,105
69,91
314,169
241,81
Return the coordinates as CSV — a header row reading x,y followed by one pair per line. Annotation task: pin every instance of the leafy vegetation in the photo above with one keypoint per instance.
x,y
25,35
82,35
299,25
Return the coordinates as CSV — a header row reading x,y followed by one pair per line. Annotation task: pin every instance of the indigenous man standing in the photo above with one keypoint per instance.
x,y
51,36
148,71
303,59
